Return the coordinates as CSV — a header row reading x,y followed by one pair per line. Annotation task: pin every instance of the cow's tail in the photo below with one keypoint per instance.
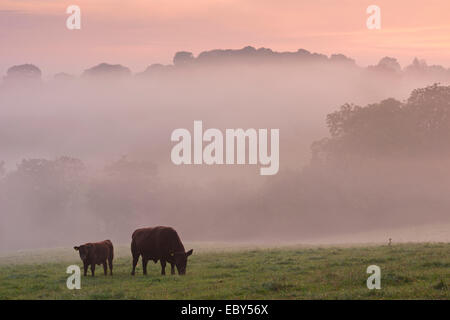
x,y
133,248
111,249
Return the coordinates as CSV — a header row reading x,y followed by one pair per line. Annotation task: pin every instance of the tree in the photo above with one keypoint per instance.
x,y
107,70
417,67
23,74
183,58
419,126
387,65
428,112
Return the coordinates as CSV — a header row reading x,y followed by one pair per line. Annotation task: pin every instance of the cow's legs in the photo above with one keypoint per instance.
x,y
105,269
144,264
136,255
93,269
110,266
135,261
163,267
172,268
85,267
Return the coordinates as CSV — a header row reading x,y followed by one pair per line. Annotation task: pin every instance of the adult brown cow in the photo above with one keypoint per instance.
x,y
159,243
97,253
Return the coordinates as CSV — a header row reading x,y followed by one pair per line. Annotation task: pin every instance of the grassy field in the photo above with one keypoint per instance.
x,y
408,271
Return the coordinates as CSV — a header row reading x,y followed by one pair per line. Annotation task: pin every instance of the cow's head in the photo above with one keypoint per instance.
x,y
84,250
181,261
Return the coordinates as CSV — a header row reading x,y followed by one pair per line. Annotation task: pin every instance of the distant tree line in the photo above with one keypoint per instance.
x,y
26,74
383,165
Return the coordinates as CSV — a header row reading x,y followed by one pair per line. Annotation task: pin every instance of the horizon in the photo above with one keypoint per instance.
x,y
140,34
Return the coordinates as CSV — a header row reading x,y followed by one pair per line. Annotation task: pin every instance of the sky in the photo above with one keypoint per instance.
x,y
137,33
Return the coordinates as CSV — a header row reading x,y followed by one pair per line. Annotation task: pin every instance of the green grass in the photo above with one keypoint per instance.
x,y
408,271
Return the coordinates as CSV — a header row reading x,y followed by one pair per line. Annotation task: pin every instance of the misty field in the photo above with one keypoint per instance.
x,y
408,271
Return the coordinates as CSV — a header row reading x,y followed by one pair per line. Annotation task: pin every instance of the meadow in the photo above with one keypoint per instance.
x,y
408,271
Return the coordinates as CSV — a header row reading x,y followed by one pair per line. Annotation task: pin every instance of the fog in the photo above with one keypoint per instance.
x,y
97,152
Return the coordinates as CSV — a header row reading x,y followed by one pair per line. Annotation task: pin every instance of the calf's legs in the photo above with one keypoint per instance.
x,y
85,267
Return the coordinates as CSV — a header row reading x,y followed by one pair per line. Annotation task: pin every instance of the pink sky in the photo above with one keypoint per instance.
x,y
137,33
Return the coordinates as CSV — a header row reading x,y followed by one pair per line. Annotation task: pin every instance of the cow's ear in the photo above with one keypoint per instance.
x,y
76,248
189,252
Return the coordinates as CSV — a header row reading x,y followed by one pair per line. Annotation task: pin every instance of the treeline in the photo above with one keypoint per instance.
x,y
419,126
250,56
384,165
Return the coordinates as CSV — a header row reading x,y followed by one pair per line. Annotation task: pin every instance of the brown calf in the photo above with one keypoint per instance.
x,y
95,254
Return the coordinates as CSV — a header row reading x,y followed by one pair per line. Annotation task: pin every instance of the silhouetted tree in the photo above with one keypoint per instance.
x,y
387,65
342,59
24,74
182,58
157,70
419,125
107,70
